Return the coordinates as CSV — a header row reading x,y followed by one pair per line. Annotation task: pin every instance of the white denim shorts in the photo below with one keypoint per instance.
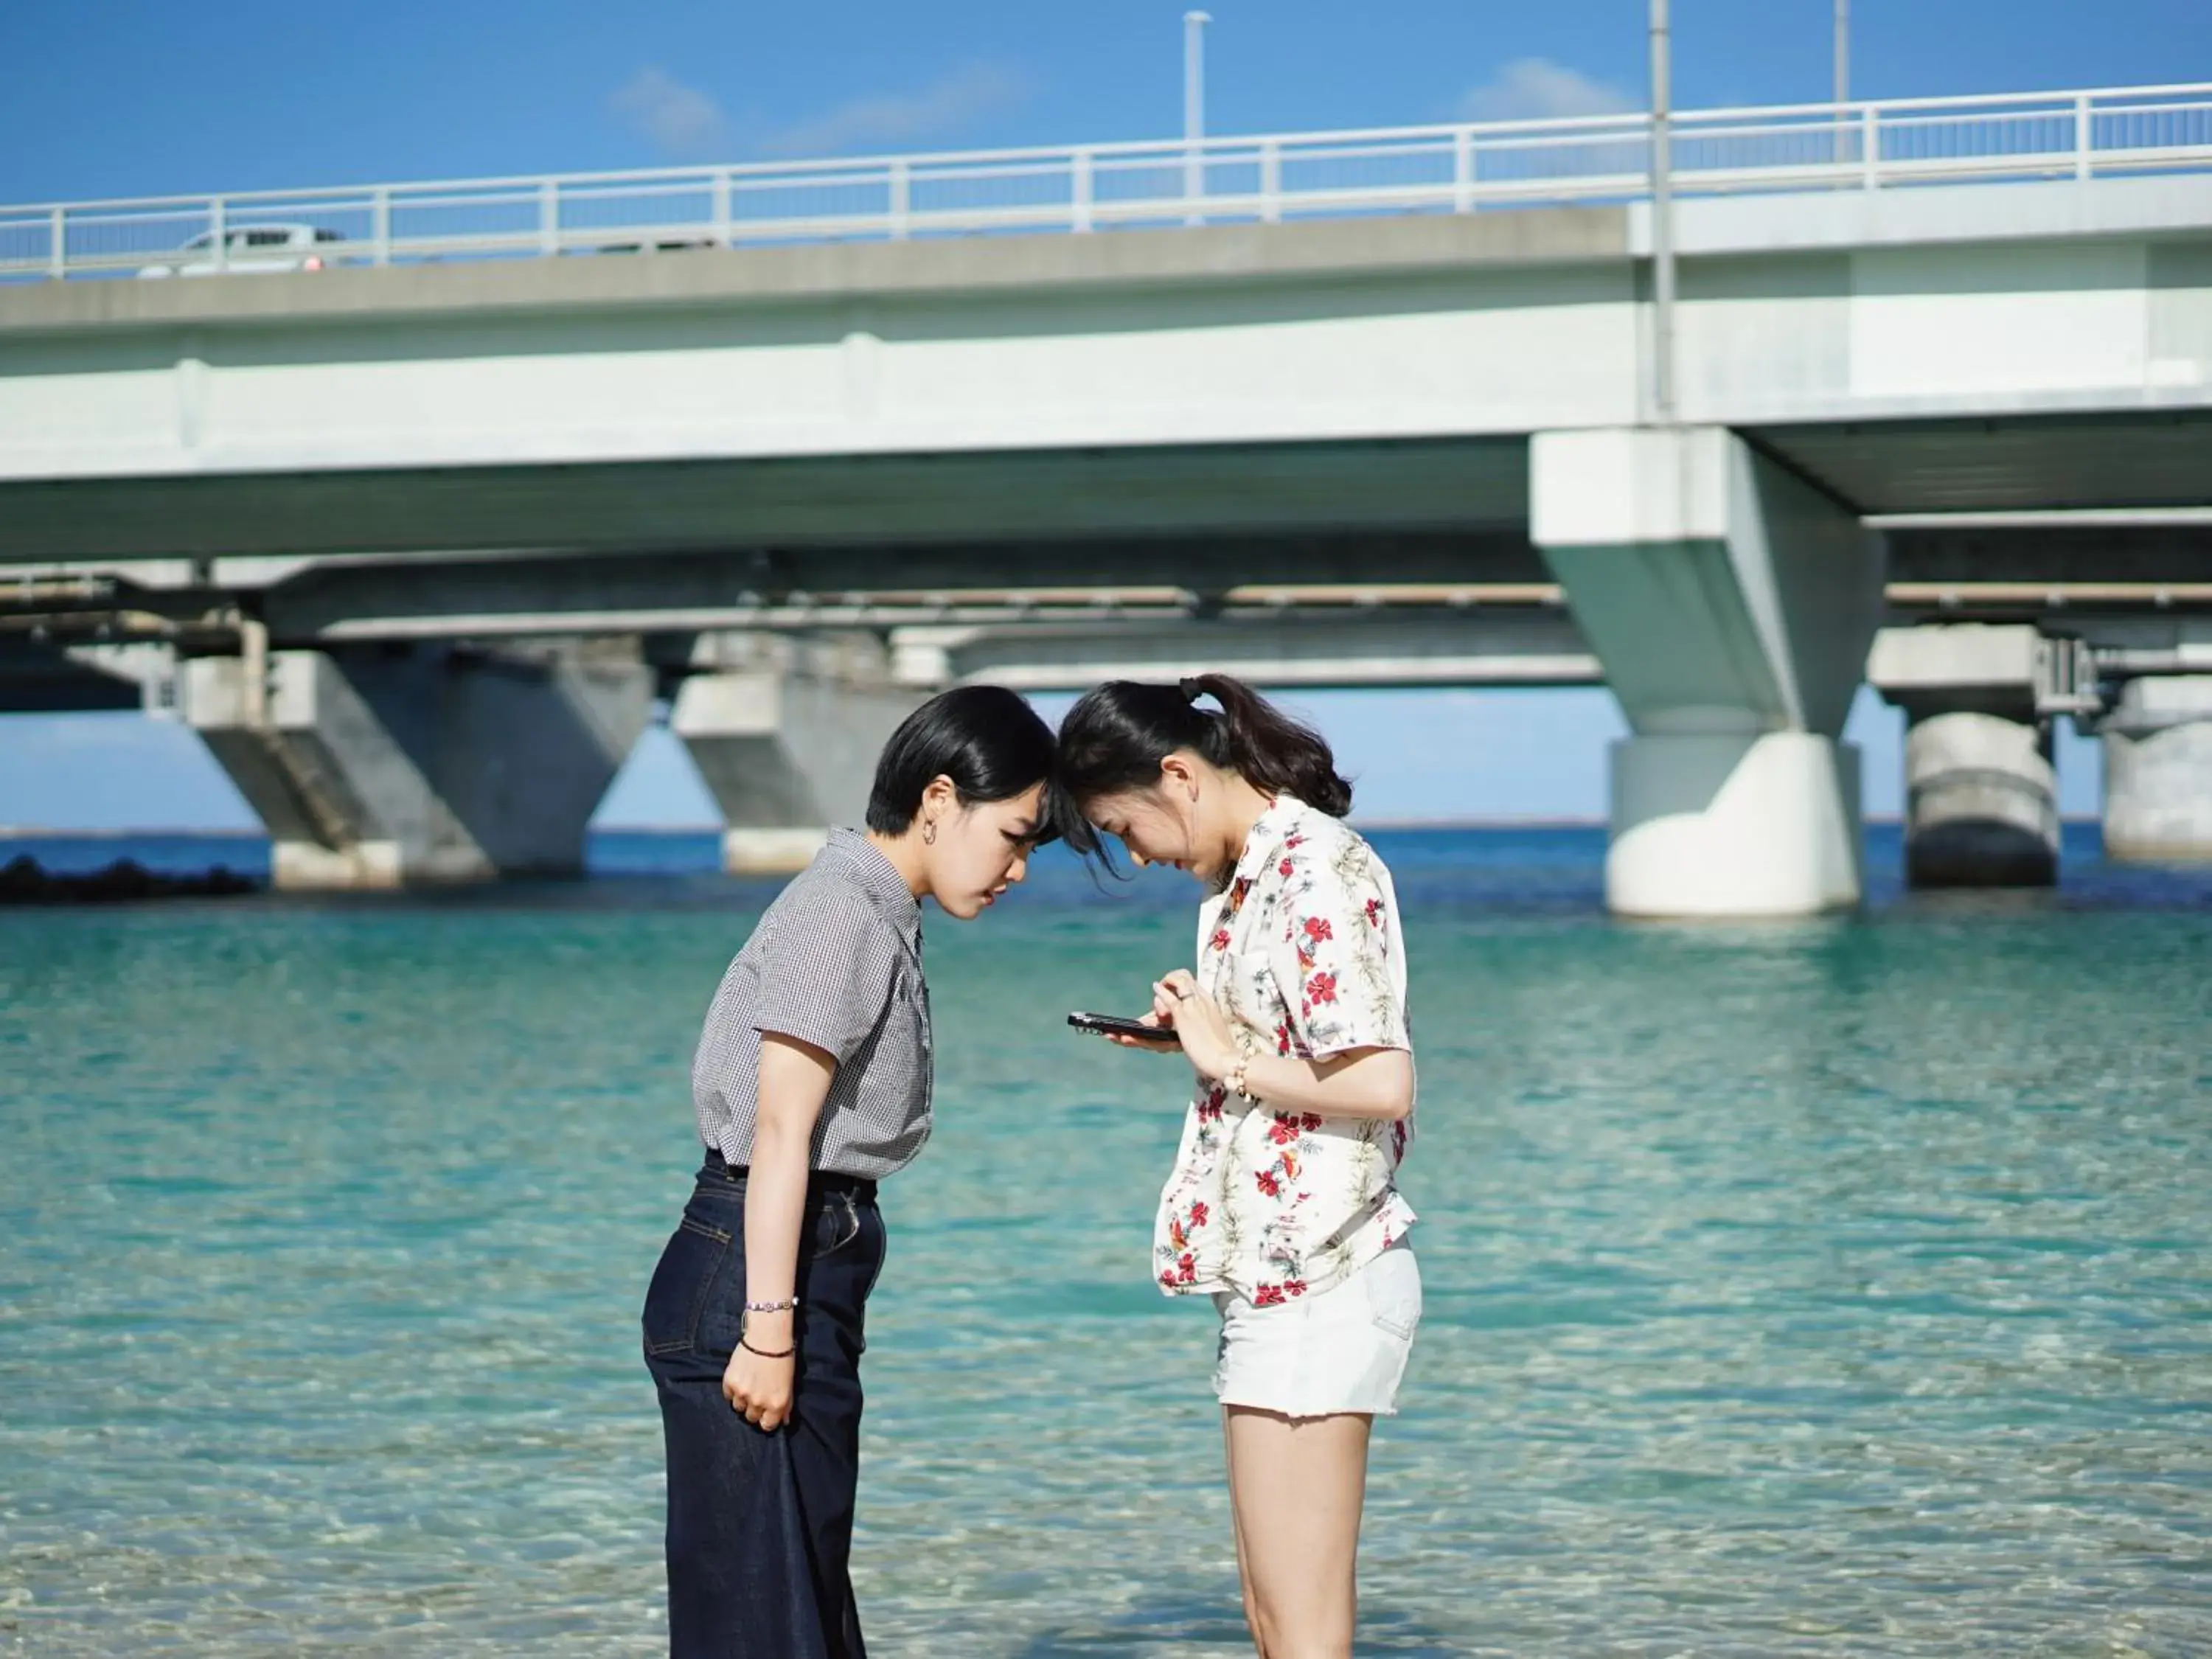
x,y
1344,1349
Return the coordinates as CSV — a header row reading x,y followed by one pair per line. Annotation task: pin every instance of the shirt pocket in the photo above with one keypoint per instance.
x,y
1249,996
910,1006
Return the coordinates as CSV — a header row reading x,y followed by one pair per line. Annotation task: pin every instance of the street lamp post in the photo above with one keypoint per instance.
x,y
1843,51
1662,221
1193,110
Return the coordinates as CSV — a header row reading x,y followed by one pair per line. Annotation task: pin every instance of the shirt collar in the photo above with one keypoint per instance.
x,y
861,860
1268,831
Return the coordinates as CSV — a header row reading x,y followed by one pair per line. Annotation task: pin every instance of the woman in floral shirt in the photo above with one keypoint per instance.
x,y
1284,1204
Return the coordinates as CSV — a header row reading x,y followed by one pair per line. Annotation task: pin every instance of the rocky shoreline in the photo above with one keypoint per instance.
x,y
24,880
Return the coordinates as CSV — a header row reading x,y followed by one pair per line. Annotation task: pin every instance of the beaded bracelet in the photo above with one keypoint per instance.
x,y
789,1305
1235,1081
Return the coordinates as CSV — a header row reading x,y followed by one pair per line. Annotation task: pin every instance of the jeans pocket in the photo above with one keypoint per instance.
x,y
883,1255
696,1257
836,1224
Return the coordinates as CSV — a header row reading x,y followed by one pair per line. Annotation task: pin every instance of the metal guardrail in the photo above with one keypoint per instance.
x,y
1886,144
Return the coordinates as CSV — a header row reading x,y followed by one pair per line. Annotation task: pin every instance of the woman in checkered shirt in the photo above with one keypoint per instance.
x,y
812,1083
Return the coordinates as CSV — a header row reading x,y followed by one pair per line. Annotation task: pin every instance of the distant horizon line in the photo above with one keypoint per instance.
x,y
1510,821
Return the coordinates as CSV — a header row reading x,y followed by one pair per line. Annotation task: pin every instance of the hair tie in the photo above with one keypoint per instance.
x,y
1191,690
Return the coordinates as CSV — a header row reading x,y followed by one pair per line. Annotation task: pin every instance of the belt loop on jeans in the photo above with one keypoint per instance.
x,y
858,1189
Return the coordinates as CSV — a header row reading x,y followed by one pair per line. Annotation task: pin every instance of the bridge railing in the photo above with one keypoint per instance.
x,y
1881,145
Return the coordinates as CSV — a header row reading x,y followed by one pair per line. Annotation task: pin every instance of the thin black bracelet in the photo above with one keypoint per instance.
x,y
779,1353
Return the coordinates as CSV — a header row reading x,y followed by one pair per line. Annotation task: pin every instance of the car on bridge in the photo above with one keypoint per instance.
x,y
251,248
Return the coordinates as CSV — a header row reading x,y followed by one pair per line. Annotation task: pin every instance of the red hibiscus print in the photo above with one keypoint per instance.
x,y
1310,1122
1268,1184
1375,913
1267,1296
1186,1270
1322,987
1291,843
1283,1131
1294,1287
1282,1039
1220,939
1198,1213
1317,928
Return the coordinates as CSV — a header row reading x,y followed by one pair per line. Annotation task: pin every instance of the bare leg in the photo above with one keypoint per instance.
x,y
1297,1486
1243,1566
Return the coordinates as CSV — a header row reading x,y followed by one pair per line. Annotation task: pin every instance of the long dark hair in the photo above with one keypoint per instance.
x,y
986,738
1118,733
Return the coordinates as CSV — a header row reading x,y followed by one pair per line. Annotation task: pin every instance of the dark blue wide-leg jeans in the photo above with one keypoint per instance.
x,y
760,1525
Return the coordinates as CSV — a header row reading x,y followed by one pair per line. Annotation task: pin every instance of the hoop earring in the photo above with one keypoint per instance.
x,y
929,832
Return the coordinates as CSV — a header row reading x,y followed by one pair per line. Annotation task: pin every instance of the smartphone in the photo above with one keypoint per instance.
x,y
1115,1025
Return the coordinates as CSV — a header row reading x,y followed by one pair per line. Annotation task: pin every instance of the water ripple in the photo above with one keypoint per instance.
x,y
1825,1290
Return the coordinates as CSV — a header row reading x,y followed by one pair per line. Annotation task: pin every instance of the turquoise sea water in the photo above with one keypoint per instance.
x,y
1833,1288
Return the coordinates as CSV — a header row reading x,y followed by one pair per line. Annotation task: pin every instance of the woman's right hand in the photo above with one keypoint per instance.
x,y
759,1388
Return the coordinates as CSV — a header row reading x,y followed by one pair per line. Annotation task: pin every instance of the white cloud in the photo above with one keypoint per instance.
x,y
954,101
680,120
1538,89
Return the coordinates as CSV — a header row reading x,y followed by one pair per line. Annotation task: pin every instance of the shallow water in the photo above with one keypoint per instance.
x,y
1833,1288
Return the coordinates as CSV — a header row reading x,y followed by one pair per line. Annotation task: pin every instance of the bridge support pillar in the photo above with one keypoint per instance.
x,y
2158,771
1731,603
1981,795
785,734
380,768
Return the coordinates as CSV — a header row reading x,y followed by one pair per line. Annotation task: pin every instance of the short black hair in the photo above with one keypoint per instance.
x,y
986,738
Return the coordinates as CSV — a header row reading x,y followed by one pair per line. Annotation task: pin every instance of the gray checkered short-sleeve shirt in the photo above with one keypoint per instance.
x,y
837,963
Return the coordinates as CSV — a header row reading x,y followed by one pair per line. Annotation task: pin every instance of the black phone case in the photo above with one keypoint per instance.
x,y
1119,1025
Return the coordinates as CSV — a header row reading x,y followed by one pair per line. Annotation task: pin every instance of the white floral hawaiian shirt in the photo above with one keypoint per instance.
x,y
1304,949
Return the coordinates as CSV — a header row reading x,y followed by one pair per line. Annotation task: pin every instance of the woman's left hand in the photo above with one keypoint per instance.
x,y
1207,1042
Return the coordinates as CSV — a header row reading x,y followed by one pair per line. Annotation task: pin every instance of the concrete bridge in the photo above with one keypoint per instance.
x,y
424,539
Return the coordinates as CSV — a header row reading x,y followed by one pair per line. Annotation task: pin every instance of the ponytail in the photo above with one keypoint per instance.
x,y
1268,749
1118,733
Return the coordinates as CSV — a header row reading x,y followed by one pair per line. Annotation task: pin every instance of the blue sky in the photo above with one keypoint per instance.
x,y
106,98
109,98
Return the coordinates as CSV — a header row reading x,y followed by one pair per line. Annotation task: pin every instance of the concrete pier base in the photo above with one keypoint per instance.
x,y
2158,772
1733,826
1731,603
1981,802
380,768
785,736
1981,795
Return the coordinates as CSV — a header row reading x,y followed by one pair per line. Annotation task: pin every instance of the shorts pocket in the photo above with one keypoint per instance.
x,y
694,1262
1393,1293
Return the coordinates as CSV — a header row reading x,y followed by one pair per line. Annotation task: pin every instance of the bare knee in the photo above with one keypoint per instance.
x,y
1252,1623
1277,1639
